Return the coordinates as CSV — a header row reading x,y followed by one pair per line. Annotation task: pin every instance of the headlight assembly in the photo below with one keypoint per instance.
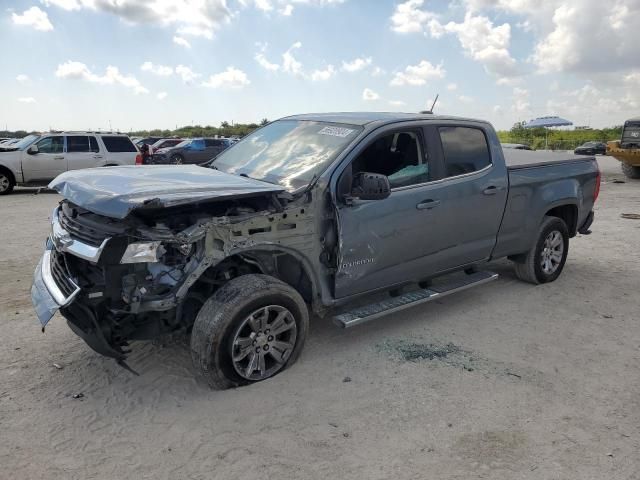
x,y
143,252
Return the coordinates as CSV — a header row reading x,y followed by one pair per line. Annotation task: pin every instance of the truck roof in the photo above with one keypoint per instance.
x,y
364,118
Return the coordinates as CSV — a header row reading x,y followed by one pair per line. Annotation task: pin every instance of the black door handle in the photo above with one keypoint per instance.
x,y
491,190
428,204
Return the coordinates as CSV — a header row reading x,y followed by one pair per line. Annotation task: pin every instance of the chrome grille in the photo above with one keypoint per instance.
x,y
61,274
81,232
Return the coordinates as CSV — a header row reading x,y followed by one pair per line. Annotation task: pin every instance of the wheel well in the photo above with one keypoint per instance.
x,y
568,213
281,265
8,172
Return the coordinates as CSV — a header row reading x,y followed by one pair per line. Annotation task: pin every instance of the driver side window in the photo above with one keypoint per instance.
x,y
397,155
50,145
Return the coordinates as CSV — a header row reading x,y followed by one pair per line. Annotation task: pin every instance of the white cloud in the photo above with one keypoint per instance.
x,y
589,36
377,71
452,86
397,103
479,38
64,4
287,10
190,17
521,105
27,100
289,62
161,95
22,78
417,75
266,64
79,71
408,18
264,5
321,75
482,41
230,78
186,73
369,95
465,99
160,70
356,65
33,17
183,42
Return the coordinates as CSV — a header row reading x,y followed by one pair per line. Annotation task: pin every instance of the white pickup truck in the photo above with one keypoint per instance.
x,y
37,159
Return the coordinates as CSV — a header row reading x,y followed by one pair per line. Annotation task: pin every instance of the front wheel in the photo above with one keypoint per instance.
x,y
630,171
251,329
546,259
6,183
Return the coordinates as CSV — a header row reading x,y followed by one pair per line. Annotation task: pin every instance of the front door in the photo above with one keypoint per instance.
x,y
385,242
48,163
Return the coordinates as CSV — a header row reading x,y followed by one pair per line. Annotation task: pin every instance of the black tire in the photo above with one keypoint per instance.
x,y
630,171
176,159
531,269
6,182
222,318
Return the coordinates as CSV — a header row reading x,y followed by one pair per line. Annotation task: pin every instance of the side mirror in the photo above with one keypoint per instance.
x,y
370,186
33,150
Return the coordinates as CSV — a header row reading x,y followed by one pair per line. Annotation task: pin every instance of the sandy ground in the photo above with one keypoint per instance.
x,y
538,382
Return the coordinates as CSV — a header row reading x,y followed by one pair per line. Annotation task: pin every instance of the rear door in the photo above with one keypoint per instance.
x,y
118,150
473,192
83,152
48,163
213,146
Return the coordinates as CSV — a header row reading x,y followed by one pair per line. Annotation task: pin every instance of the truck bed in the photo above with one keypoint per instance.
x,y
516,159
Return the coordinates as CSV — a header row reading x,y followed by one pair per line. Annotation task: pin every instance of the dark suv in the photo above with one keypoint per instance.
x,y
195,150
591,148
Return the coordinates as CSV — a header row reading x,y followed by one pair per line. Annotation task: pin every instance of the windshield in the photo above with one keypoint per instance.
x,y
25,142
287,152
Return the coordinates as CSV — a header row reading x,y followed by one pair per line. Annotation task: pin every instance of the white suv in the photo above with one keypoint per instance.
x,y
37,159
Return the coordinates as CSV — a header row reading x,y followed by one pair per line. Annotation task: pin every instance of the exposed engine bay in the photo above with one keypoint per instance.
x,y
155,269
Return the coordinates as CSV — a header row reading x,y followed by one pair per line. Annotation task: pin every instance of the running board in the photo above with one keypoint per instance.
x,y
410,299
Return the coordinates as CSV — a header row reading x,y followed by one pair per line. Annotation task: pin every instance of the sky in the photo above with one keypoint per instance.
x,y
143,64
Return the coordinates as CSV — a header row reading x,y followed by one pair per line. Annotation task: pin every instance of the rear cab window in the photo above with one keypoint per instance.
x,y
118,144
465,150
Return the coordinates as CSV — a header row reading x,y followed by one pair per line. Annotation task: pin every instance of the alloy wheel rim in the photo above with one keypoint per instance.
x,y
552,251
263,342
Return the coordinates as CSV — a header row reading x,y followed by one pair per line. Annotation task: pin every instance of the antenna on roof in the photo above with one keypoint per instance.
x,y
430,111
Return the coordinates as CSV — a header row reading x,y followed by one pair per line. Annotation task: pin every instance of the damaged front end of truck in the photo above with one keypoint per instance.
x,y
134,259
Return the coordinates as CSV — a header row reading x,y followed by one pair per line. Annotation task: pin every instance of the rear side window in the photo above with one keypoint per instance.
x,y
465,150
93,145
118,144
209,142
78,144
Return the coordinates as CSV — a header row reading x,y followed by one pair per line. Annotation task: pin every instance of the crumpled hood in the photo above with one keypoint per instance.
x,y
117,191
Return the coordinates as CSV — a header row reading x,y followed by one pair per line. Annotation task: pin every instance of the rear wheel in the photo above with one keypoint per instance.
x,y
630,171
546,259
6,183
251,329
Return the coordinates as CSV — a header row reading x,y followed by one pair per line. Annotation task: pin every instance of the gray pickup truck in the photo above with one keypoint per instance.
x,y
324,213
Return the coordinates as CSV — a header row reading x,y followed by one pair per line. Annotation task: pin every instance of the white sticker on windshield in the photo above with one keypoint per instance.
x,y
336,131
